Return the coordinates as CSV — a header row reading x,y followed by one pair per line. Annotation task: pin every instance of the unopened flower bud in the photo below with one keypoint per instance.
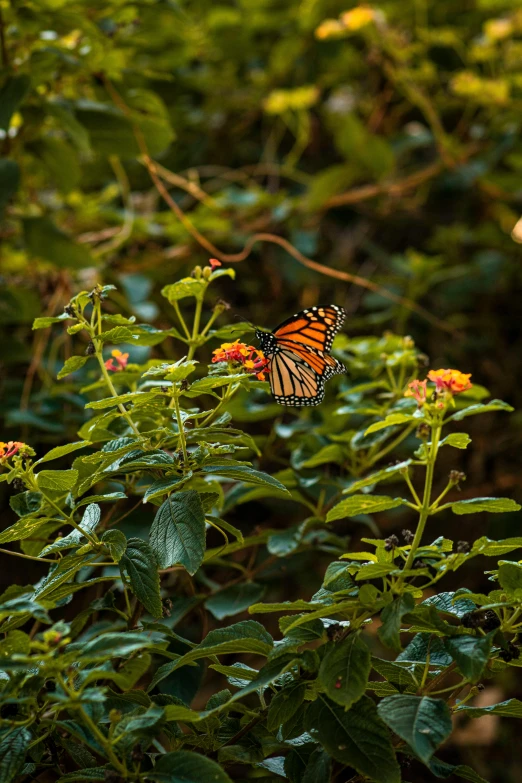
x,y
391,543
423,431
207,271
456,476
408,536
196,272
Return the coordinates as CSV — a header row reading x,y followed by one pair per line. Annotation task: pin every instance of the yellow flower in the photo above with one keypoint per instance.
x,y
358,17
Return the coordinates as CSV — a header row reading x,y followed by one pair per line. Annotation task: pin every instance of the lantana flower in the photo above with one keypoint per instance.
x,y
13,447
452,381
214,263
121,359
417,389
250,358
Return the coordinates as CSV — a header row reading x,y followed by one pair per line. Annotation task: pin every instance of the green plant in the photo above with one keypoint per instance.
x,y
115,686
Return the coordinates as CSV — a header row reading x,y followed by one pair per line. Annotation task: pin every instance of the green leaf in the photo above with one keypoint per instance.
x,y
57,480
331,453
512,708
73,364
188,286
493,505
375,478
181,766
345,669
26,503
390,421
362,504
244,473
234,599
177,534
444,770
91,773
424,723
510,576
486,546
459,440
113,645
61,451
247,636
168,484
116,543
13,92
285,704
473,410
13,747
22,529
89,523
141,566
137,398
357,737
43,323
470,653
391,617
45,240
10,179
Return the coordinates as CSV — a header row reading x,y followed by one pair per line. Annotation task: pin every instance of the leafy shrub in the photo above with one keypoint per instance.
x,y
125,661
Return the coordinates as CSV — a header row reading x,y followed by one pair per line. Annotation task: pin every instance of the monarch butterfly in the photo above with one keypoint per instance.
x,y
298,353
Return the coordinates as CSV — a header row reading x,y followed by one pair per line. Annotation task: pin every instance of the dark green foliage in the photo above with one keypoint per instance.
x,y
364,155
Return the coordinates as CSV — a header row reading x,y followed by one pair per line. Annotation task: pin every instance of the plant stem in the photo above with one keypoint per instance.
x,y
209,322
181,431
114,393
181,319
29,557
195,329
392,445
425,508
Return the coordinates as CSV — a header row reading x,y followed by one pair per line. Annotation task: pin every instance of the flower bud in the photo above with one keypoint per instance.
x,y
90,349
408,536
423,431
463,547
391,543
456,476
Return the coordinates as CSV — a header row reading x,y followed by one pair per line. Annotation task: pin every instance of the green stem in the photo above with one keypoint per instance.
x,y
209,323
393,444
181,431
408,481
93,728
224,399
114,393
181,319
29,557
425,508
195,329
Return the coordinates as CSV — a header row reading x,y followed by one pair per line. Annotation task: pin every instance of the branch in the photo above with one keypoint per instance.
x,y
233,258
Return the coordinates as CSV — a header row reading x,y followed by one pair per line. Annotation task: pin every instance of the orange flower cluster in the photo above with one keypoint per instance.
x,y
446,382
450,380
10,448
249,357
121,359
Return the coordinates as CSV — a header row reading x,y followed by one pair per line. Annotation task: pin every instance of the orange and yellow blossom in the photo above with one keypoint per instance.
x,y
121,359
13,447
417,389
250,358
452,381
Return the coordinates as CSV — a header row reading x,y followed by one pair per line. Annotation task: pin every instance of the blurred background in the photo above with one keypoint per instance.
x,y
380,141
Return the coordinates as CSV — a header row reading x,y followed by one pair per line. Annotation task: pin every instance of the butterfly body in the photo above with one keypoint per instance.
x,y
298,353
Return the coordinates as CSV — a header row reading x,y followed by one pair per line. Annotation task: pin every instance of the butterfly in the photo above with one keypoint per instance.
x,y
298,353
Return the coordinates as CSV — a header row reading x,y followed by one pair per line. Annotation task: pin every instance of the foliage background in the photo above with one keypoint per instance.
x,y
384,144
